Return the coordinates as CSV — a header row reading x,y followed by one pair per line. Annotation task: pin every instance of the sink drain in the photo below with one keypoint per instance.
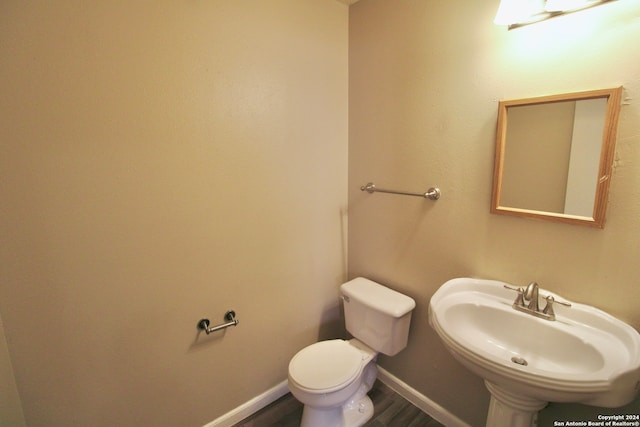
x,y
519,361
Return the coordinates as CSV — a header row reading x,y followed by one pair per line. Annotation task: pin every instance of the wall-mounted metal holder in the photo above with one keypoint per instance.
x,y
230,316
432,194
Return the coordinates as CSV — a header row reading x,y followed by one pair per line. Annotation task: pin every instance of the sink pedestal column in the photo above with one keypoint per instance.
x,y
508,409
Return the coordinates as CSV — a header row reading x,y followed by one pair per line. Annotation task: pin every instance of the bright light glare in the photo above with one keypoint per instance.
x,y
567,5
511,11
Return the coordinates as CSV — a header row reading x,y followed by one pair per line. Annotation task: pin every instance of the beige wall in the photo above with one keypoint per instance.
x,y
425,80
161,162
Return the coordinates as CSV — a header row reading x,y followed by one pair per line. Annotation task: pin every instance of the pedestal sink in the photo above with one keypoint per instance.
x,y
585,355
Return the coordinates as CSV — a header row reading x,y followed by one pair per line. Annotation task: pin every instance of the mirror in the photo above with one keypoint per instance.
x,y
554,156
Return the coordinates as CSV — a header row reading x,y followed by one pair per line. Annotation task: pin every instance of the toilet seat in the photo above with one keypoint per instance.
x,y
326,366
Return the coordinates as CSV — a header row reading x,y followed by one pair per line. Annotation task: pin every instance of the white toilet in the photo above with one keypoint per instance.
x,y
332,378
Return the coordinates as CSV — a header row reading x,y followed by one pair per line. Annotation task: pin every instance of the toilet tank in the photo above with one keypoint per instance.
x,y
376,315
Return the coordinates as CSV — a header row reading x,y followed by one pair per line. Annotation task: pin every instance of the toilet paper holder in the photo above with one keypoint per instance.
x,y
230,317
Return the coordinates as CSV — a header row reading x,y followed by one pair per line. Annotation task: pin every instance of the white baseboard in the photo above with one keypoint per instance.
x,y
251,407
425,404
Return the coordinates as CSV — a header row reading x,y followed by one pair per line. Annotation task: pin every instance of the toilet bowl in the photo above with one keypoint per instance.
x,y
332,378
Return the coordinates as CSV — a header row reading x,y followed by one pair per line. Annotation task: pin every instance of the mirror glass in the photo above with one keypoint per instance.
x,y
554,156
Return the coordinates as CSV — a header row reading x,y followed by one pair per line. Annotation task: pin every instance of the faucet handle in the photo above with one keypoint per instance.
x,y
551,299
520,298
548,310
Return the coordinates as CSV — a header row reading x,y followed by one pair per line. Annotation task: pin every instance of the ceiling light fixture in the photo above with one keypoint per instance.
x,y
516,13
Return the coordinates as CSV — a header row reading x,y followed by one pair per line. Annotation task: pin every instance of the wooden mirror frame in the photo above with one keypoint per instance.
x,y
613,97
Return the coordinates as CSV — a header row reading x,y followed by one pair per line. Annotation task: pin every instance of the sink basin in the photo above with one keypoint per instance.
x,y
585,355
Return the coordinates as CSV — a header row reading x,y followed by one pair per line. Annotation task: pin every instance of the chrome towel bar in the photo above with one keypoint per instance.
x,y
432,194
230,316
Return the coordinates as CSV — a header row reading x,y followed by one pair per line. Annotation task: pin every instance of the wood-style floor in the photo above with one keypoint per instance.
x,y
390,410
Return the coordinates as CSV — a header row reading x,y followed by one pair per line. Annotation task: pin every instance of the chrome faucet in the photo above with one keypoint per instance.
x,y
531,295
527,302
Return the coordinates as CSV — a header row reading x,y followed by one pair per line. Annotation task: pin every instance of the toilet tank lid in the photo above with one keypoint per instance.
x,y
378,297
